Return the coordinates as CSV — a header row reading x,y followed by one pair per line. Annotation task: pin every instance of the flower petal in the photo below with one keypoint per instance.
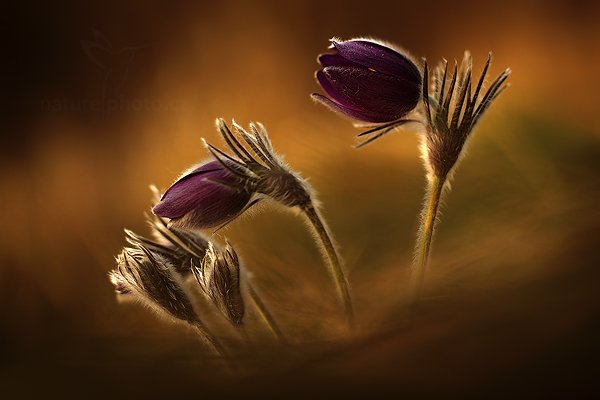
x,y
370,92
335,60
352,113
380,58
197,192
332,90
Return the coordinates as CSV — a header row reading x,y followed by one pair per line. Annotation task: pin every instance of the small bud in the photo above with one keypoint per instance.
x,y
151,278
219,277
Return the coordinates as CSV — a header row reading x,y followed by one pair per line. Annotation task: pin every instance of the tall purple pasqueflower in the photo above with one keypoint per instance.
x,y
370,82
206,196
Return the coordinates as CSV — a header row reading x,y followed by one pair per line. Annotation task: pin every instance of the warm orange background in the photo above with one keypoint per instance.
x,y
513,283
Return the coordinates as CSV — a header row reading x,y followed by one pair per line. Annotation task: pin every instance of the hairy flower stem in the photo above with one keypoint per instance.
x,y
333,261
265,314
213,343
425,236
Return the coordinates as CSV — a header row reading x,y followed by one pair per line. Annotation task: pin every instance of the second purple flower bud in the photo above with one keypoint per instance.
x,y
214,193
207,196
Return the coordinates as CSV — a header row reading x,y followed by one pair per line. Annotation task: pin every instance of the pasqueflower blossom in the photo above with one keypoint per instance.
x,y
369,81
206,196
214,193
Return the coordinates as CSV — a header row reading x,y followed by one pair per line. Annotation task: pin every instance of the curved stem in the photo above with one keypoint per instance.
x,y
265,314
425,236
329,252
213,343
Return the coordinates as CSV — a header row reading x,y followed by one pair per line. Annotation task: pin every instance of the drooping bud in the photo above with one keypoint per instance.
x,y
206,196
150,277
219,278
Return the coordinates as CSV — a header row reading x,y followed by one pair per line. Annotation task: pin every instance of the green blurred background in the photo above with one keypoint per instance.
x,y
102,99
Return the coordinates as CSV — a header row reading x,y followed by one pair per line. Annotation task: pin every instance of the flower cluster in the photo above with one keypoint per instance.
x,y
154,270
374,83
179,252
218,191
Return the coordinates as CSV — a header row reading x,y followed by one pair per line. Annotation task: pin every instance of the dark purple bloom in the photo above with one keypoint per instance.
x,y
369,81
207,196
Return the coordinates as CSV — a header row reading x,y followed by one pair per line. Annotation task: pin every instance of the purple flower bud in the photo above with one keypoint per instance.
x,y
368,81
207,196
